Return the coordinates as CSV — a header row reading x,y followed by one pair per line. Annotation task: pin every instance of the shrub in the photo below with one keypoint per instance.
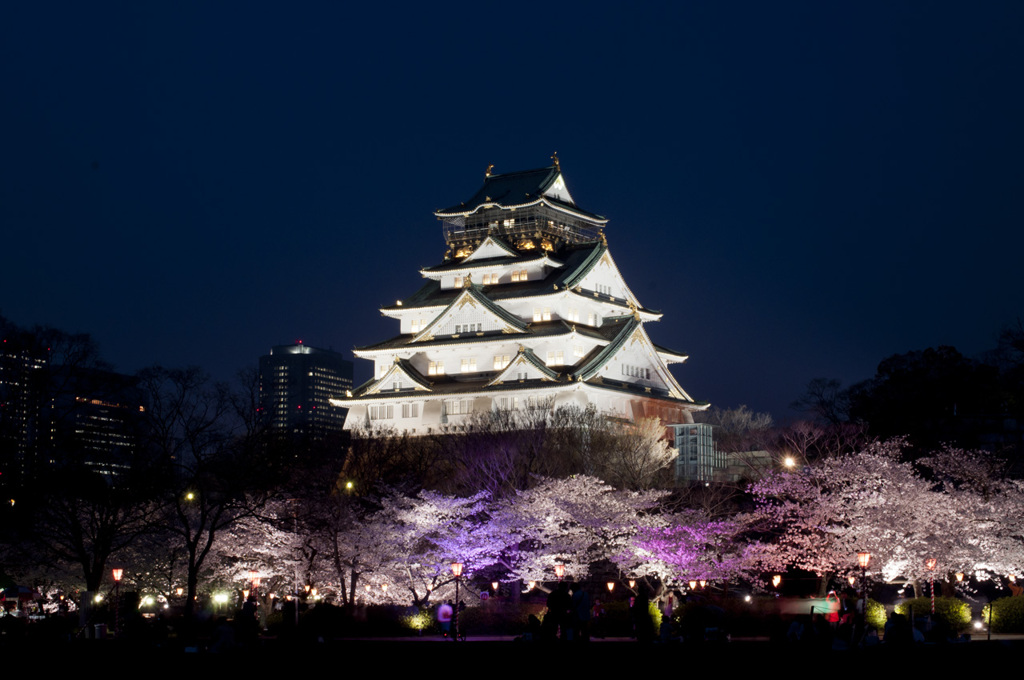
x,y
949,611
1007,615
876,614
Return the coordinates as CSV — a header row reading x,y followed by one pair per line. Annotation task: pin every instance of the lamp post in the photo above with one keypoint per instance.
x,y
559,571
117,573
457,571
930,564
863,560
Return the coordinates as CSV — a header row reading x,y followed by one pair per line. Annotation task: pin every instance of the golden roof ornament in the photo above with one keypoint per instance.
x,y
487,172
554,157
467,281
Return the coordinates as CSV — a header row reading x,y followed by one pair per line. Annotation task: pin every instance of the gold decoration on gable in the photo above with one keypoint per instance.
x,y
467,300
525,244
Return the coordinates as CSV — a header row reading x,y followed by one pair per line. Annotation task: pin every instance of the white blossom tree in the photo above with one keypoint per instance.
x,y
576,522
873,500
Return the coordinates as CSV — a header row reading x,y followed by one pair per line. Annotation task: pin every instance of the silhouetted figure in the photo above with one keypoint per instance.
x,y
643,625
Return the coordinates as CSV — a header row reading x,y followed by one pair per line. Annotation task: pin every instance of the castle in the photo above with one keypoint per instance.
x,y
527,310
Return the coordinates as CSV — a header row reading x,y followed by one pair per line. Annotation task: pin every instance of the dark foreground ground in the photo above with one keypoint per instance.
x,y
503,657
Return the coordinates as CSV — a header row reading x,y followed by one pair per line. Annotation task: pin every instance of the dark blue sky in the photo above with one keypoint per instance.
x,y
803,188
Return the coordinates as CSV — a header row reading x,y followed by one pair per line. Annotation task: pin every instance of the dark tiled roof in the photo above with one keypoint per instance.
x,y
514,188
489,262
535,330
577,258
443,386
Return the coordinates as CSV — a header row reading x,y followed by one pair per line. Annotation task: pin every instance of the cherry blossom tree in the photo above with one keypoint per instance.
x,y
576,522
404,550
874,500
692,547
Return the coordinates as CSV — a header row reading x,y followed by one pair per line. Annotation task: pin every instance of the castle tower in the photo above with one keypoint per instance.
x,y
528,309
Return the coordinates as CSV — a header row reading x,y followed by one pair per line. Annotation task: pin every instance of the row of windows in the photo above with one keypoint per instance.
x,y
544,314
468,328
636,371
500,362
387,411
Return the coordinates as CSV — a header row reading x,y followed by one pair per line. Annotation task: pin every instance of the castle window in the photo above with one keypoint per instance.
x,y
501,361
382,412
469,365
436,368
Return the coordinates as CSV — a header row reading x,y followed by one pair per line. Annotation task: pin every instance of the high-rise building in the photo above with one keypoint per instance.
x,y
296,385
23,382
95,419
528,308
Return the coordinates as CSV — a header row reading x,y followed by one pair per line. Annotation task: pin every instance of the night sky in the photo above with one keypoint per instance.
x,y
802,188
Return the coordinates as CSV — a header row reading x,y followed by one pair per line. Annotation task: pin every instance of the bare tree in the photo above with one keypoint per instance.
x,y
212,479
826,401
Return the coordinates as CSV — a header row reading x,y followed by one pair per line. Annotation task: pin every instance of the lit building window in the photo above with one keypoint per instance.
x,y
547,314
501,361
382,412
436,368
555,358
469,365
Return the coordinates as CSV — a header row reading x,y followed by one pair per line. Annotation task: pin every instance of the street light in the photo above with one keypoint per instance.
x,y
930,565
611,586
776,580
559,571
864,559
117,573
457,571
